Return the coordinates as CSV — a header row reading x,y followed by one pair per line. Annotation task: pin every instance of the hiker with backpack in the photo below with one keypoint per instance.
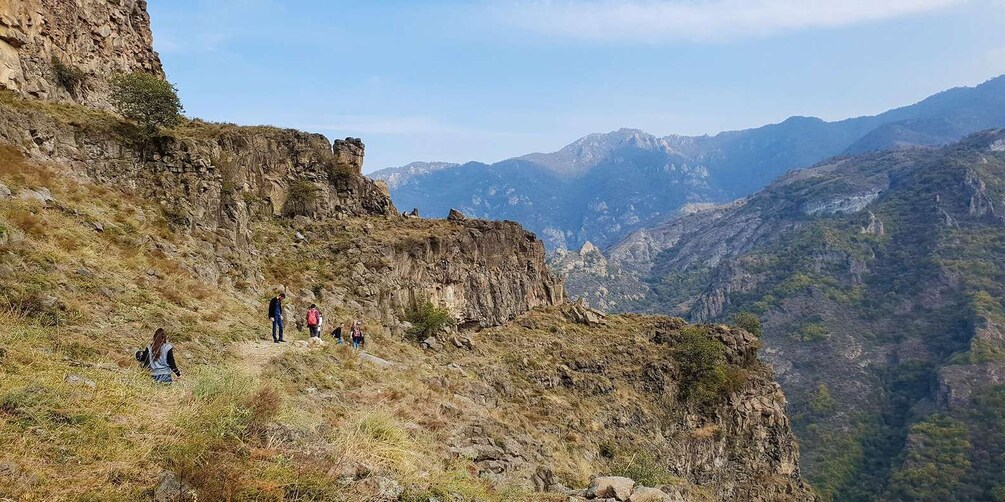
x,y
276,316
356,334
158,357
337,334
314,321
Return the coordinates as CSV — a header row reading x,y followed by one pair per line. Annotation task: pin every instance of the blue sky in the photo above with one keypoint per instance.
x,y
491,79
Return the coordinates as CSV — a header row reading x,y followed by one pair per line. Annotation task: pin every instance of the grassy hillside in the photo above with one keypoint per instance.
x,y
88,272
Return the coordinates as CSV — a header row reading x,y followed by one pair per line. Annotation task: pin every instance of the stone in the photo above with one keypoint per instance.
x,y
172,489
98,226
431,343
375,360
617,487
349,153
41,195
456,215
4,192
382,488
645,494
79,380
415,212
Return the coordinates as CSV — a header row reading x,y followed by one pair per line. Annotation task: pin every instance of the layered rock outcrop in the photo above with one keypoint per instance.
x,y
68,50
211,179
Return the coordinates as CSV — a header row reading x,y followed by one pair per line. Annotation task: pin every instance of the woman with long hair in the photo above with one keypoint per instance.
x,y
159,358
356,334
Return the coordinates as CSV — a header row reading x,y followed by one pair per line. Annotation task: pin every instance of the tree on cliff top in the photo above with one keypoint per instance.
x,y
147,100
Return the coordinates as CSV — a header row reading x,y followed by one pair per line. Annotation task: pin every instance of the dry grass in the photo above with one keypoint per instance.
x,y
286,424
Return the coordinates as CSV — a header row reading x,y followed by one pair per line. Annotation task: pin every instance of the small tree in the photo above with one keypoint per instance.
x,y
749,322
68,77
147,100
427,319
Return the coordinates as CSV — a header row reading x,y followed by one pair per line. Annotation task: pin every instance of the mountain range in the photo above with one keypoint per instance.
x,y
604,186
878,278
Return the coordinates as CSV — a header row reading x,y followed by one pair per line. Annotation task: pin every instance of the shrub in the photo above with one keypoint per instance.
x,y
821,401
644,468
67,76
302,199
703,370
146,100
749,322
427,319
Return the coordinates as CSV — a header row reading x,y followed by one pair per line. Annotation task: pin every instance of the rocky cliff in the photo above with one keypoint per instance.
x,y
216,181
67,50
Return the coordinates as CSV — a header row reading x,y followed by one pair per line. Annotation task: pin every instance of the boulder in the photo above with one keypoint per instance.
x,y
415,212
617,487
382,488
432,343
79,380
4,192
456,215
172,489
645,494
41,195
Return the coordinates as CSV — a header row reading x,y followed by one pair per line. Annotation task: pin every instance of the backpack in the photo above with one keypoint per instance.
x,y
312,317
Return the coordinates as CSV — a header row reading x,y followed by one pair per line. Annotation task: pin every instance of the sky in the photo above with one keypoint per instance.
x,y
486,80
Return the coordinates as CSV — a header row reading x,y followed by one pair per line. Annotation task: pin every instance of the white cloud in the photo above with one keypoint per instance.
x,y
698,20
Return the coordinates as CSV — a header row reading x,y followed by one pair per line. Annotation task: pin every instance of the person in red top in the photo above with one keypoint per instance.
x,y
314,321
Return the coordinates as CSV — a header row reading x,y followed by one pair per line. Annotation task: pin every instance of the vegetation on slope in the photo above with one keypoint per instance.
x,y
88,275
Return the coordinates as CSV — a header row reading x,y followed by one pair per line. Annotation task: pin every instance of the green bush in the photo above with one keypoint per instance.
x,y
302,199
644,468
427,319
704,374
749,322
147,100
67,76
821,402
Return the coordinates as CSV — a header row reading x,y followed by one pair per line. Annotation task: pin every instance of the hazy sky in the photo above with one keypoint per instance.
x,y
490,79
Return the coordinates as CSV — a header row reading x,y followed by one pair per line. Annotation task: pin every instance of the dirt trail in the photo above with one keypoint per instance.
x,y
254,355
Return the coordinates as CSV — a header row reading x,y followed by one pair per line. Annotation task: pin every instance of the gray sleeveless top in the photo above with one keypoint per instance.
x,y
160,366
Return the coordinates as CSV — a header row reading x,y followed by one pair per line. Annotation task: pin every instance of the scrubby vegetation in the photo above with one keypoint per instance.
x,y
301,199
147,100
705,376
427,319
68,76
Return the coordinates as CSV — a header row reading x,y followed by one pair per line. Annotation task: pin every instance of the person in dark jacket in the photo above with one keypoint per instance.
x,y
276,316
158,357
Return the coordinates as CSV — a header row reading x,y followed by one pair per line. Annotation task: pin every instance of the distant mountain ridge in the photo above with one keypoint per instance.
x,y
879,282
604,186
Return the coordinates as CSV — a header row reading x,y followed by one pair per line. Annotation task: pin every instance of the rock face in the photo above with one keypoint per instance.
x,y
215,179
484,273
39,39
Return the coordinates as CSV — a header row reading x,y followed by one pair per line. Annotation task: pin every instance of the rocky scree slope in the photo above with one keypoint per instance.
x,y
602,187
878,279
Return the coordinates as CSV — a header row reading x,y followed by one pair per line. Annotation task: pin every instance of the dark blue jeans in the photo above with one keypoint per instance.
x,y
277,324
